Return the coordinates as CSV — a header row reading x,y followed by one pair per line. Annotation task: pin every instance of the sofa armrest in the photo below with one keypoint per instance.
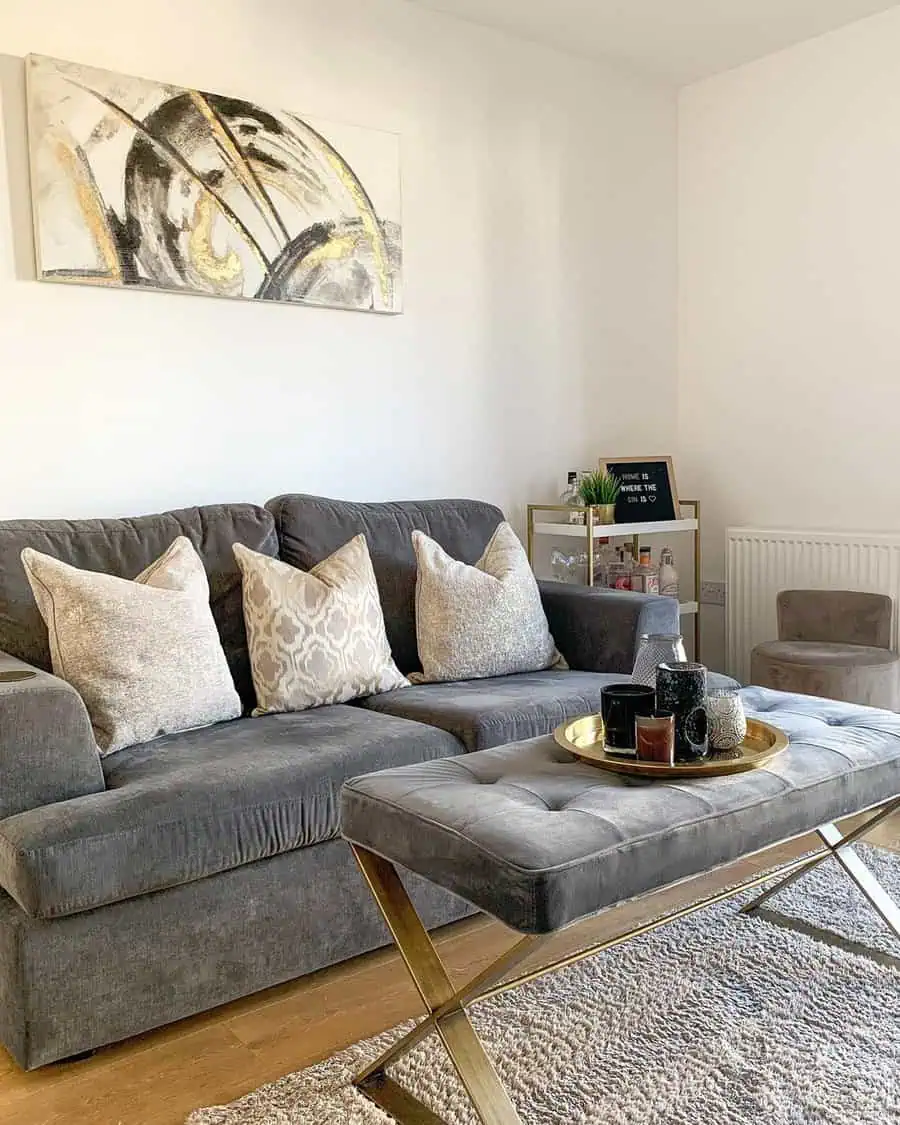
x,y
598,630
47,747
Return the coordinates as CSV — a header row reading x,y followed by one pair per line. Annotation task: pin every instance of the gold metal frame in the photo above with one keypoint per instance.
x,y
590,525
446,1005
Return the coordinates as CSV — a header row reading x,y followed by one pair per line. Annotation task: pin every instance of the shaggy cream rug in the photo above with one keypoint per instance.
x,y
715,1019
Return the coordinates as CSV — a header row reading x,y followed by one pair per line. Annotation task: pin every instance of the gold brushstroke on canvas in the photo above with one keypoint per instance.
x,y
370,222
91,206
334,249
177,162
240,167
219,269
132,195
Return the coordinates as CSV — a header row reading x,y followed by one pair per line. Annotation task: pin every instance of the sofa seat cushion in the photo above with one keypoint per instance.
x,y
201,802
492,712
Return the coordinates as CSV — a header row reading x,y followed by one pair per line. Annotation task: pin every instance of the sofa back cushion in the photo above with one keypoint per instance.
x,y
310,528
125,547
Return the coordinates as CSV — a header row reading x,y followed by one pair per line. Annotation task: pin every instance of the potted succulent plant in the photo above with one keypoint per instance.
x,y
600,490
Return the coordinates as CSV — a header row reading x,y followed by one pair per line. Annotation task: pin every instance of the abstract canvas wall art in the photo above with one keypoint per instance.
x,y
142,184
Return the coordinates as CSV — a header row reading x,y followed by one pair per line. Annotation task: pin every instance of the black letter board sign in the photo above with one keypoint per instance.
x,y
648,489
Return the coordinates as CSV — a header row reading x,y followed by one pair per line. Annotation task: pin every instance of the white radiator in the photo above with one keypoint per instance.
x,y
761,563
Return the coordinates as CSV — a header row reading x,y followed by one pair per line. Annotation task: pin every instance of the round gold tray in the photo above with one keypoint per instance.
x,y
584,738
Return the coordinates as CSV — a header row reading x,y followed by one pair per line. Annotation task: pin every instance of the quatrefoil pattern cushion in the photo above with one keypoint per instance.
x,y
318,636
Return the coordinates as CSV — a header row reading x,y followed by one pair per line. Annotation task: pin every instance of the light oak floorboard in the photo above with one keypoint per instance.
x,y
158,1078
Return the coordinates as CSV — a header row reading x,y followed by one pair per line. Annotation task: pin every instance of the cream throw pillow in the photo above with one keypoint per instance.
x,y
145,656
315,636
483,620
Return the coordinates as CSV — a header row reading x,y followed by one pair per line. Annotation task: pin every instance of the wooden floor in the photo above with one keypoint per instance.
x,y
157,1079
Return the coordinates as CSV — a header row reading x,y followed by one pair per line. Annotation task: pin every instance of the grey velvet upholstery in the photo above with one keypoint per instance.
x,y
485,713
204,866
47,748
124,547
310,528
190,805
598,630
100,976
538,839
492,712
846,617
853,673
834,644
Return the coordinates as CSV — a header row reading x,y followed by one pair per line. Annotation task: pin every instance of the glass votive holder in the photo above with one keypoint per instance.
x,y
655,737
727,721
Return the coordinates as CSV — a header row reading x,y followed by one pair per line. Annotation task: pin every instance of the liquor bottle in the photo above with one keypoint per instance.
x,y
572,498
604,557
668,575
619,577
645,578
614,569
630,565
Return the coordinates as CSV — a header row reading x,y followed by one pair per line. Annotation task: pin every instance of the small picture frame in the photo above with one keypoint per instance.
x,y
649,493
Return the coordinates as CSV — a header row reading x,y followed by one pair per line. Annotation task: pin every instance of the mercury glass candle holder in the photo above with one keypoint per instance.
x,y
727,721
656,649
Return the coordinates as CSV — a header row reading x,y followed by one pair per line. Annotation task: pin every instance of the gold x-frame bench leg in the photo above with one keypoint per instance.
x,y
443,1003
840,847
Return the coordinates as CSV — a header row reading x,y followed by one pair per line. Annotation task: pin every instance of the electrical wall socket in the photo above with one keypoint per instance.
x,y
712,593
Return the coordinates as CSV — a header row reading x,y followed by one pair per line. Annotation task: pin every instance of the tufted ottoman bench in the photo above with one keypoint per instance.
x,y
540,840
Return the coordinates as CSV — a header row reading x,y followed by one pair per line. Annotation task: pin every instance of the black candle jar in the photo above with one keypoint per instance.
x,y
681,688
620,705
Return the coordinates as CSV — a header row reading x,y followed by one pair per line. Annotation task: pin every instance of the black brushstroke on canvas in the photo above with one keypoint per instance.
x,y
219,107
294,278
148,132
208,143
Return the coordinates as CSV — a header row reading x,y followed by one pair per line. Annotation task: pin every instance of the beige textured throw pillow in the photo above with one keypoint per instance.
x,y
145,656
483,620
315,636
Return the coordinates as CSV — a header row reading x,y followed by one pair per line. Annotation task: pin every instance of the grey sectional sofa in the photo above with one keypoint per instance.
x,y
177,875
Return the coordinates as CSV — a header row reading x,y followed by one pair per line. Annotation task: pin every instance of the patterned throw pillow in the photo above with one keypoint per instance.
x,y
315,636
483,620
145,656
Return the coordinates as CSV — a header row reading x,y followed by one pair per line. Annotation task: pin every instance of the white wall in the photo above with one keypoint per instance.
x,y
789,283
789,292
540,235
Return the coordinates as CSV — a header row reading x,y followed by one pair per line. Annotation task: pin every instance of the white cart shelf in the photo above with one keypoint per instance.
x,y
614,530
590,531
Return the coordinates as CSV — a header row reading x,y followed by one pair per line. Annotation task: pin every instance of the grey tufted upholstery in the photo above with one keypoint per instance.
x,y
538,839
